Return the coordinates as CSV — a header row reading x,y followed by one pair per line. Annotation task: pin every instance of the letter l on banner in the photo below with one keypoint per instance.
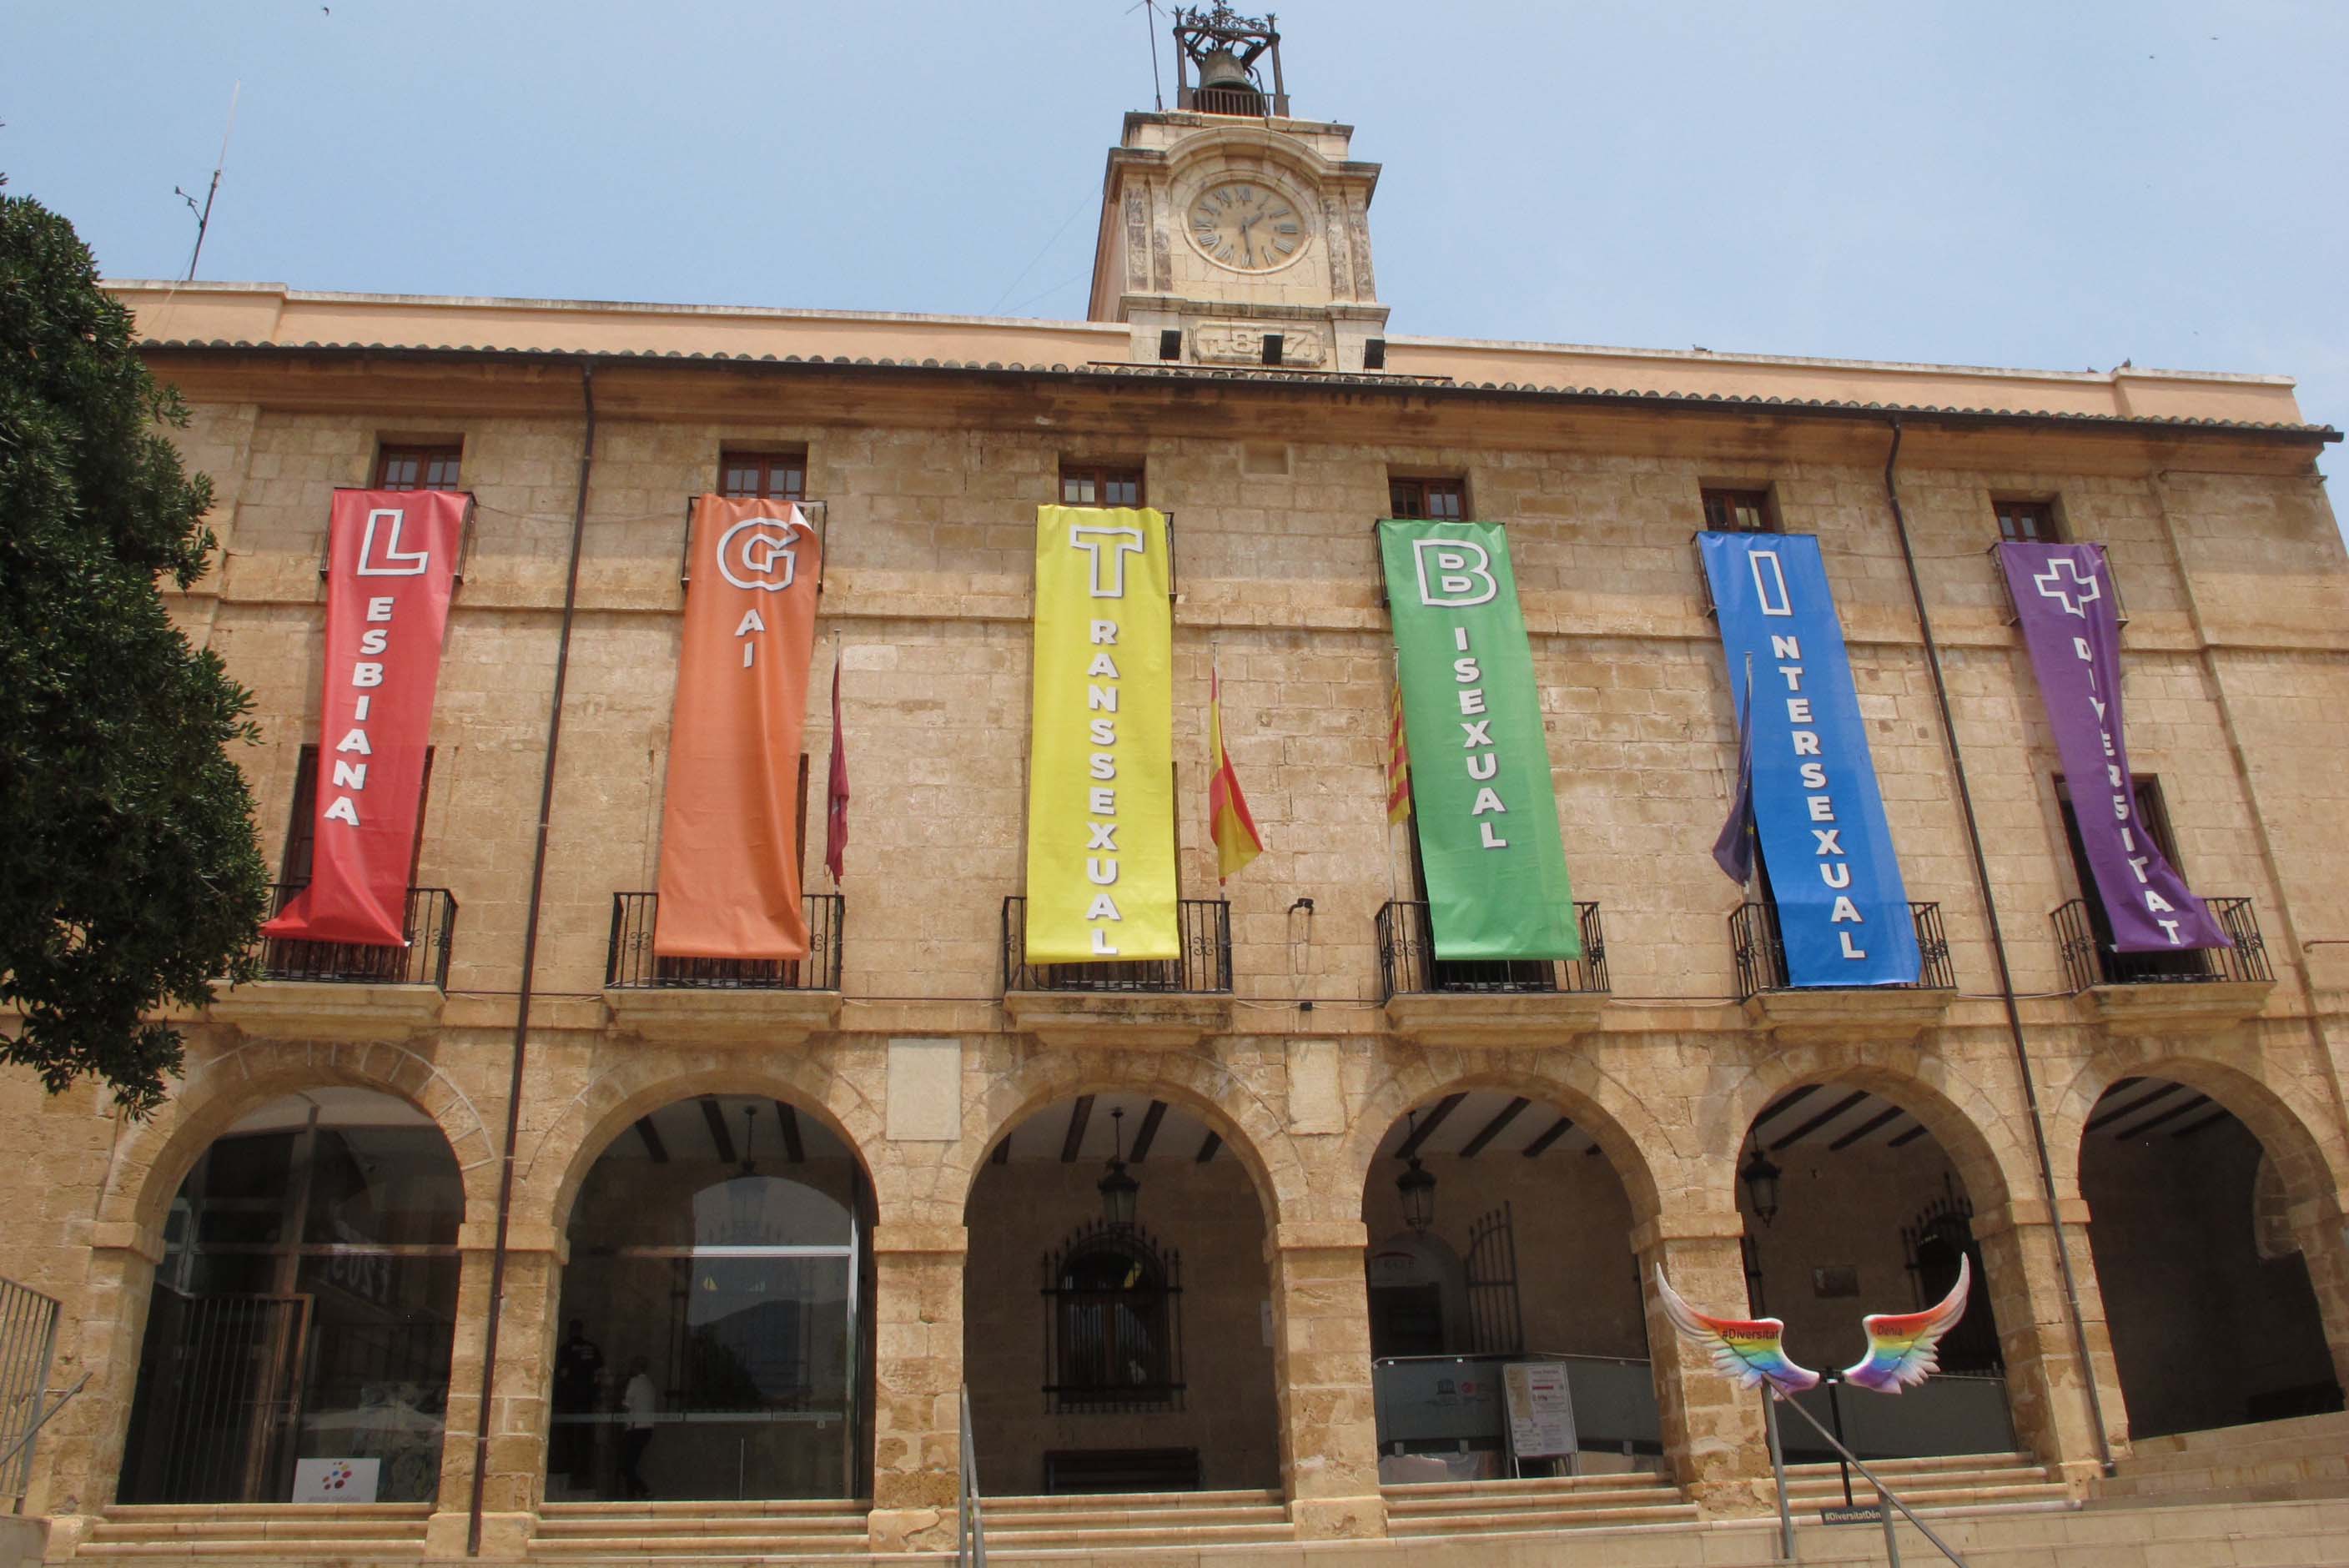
x,y
729,868
391,566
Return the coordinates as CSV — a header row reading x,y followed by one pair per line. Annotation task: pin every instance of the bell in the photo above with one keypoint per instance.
x,y
1221,71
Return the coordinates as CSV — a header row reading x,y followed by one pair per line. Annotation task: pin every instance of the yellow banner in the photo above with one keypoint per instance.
x,y
1101,766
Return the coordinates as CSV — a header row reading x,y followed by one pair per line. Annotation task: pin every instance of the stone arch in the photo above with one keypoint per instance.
x,y
1253,1131
156,1156
1624,1126
2310,1154
548,1180
1979,1133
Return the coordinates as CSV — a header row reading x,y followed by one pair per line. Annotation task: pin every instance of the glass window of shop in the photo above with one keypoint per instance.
x,y
304,1311
713,1340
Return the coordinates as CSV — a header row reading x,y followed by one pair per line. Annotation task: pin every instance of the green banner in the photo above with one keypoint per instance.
x,y
1487,818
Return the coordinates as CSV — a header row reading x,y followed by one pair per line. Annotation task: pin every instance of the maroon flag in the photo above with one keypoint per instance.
x,y
835,795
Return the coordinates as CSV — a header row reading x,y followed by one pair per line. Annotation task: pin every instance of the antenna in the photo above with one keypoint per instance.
x,y
204,213
1149,7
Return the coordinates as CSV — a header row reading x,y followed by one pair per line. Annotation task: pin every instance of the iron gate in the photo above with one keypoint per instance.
x,y
1496,1324
225,1398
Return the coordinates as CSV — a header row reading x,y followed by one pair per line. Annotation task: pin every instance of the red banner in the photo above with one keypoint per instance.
x,y
391,559
730,867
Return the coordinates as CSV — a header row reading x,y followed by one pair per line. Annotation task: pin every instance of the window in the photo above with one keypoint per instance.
x,y
1113,1327
417,467
1739,512
1442,499
1099,484
2028,521
762,476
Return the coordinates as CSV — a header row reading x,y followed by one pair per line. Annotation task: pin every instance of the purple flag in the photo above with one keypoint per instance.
x,y
1733,851
2062,597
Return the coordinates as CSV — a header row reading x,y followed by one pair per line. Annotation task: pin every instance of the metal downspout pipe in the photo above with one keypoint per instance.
x,y
530,963
2005,972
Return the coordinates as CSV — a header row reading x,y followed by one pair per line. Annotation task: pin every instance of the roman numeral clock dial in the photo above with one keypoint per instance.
x,y
1247,226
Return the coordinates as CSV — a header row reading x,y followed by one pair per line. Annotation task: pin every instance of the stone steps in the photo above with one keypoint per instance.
x,y
2306,1457
1126,1523
1442,1509
1928,1485
699,1532
261,1532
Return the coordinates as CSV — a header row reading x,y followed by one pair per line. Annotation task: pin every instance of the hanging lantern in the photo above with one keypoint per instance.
x,y
1118,1190
1416,1186
1761,1179
1418,1189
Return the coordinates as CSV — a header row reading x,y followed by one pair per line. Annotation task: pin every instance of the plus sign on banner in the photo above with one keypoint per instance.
x,y
2063,603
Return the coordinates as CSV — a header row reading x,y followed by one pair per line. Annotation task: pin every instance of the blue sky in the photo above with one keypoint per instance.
x,y
2062,185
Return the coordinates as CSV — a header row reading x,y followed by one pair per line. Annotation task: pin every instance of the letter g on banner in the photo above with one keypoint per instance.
x,y
1460,565
757,553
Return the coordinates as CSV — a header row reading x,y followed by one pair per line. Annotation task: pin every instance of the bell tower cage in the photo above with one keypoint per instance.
x,y
1223,47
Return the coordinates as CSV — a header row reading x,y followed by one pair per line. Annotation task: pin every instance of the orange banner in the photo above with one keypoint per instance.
x,y
729,868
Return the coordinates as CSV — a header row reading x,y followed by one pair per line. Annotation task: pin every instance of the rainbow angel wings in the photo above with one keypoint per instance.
x,y
1748,1349
1900,1345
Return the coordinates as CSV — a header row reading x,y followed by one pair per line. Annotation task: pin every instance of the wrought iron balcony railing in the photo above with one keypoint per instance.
x,y
1233,101
2089,961
1408,963
427,926
1203,924
1761,951
632,966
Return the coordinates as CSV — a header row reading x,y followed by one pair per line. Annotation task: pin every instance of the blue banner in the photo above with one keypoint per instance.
x,y
1843,913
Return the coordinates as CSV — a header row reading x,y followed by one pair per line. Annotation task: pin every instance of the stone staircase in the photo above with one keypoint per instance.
x,y
2306,1457
1929,1485
1481,1508
1110,1525
700,1533
355,1533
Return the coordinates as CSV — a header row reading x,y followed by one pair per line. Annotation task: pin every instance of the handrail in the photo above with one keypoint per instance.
x,y
1883,1494
29,1343
970,1533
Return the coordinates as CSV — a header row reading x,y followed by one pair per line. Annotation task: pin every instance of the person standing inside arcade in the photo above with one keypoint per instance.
x,y
640,1403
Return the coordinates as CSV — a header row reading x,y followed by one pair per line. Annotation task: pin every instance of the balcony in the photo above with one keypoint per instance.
x,y
1158,1003
722,1001
1837,1014
2192,990
1502,1003
346,988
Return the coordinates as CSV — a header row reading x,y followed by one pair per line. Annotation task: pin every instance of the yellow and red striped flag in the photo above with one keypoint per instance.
x,y
1398,761
1237,840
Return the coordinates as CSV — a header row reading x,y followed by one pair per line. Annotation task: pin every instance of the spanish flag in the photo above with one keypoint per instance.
x,y
1398,761
1237,840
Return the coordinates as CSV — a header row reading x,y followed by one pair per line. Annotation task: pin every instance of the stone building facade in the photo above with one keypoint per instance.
x,y
583,429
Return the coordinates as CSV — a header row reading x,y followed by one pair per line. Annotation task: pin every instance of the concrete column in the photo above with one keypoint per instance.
x,y
515,1478
918,1385
1321,1365
2046,1387
1713,1436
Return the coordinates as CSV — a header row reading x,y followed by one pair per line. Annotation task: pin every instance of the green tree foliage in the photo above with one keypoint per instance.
x,y
128,875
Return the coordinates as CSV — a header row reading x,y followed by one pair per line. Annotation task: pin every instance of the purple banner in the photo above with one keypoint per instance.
x,y
2062,597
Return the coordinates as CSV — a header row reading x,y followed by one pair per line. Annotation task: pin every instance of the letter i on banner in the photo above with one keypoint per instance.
x,y
391,567
1101,785
729,869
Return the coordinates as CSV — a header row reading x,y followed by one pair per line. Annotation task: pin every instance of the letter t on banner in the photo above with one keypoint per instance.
x,y
729,869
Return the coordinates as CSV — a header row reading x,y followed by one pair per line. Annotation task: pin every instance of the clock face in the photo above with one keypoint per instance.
x,y
1247,225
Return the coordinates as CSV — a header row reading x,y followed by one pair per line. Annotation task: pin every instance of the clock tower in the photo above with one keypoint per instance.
x,y
1232,234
